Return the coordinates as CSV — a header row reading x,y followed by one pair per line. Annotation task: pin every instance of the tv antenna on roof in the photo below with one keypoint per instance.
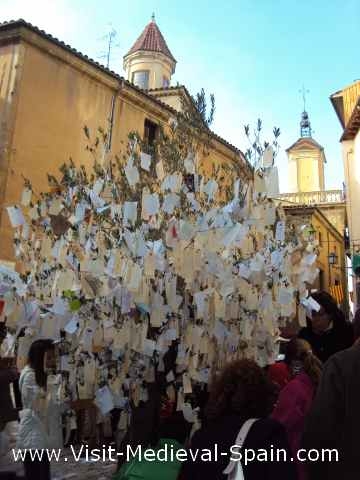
x,y
110,38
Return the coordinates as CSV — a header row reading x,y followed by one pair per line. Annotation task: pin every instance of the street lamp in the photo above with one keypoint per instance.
x,y
332,258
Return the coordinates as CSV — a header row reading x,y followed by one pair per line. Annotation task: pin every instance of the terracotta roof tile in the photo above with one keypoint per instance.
x,y
151,40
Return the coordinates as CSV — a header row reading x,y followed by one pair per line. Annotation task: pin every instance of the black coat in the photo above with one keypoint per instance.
x,y
7,411
334,421
262,435
338,338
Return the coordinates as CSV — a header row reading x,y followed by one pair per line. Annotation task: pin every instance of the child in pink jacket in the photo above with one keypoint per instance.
x,y
296,398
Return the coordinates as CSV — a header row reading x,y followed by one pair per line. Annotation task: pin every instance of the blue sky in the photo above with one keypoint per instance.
x,y
254,55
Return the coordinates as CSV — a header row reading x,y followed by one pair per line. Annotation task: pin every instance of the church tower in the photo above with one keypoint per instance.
x,y
306,159
149,63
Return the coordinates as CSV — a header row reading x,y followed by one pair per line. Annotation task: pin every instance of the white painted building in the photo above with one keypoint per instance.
x,y
346,103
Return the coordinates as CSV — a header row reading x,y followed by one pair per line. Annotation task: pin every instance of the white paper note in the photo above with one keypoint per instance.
x,y
280,231
71,326
145,161
150,205
132,175
160,172
130,213
171,201
16,216
26,197
104,400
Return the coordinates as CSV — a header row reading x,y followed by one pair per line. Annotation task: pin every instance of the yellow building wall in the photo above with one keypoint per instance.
x,y
59,94
336,214
9,74
174,101
305,171
55,101
329,242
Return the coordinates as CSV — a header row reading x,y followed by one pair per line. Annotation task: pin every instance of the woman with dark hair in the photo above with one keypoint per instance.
x,y
241,393
296,398
327,330
34,432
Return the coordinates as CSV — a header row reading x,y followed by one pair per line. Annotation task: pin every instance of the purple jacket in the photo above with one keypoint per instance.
x,y
293,405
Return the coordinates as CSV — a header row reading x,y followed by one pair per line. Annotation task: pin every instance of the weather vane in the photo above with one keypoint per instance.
x,y
305,125
303,91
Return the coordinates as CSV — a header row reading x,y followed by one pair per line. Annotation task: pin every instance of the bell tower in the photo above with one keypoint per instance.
x,y
306,159
149,63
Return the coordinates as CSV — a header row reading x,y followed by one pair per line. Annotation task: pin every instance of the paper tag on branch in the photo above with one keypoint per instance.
x,y
280,231
132,175
150,205
145,161
104,400
16,216
130,213
26,197
160,172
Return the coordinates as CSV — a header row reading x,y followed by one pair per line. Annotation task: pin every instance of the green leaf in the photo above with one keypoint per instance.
x,y
75,305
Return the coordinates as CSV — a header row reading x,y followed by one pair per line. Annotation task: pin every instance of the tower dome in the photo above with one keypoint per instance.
x,y
149,63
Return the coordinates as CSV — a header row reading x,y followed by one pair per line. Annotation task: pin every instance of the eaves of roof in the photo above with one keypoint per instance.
x,y
303,140
353,125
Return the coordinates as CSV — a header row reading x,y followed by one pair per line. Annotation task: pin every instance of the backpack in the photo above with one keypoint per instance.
x,y
137,469
234,470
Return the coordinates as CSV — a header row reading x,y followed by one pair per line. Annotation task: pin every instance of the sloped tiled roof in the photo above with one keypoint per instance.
x,y
151,40
337,100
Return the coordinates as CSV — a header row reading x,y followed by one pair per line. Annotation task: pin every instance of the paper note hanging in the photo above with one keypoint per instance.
x,y
268,157
150,205
280,231
171,201
132,175
145,161
56,206
189,164
186,383
16,216
160,172
130,213
26,197
104,400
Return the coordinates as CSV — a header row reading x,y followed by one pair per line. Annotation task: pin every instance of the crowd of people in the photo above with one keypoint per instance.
x,y
307,401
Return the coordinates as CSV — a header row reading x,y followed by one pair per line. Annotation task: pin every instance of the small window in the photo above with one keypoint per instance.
x,y
166,82
141,79
150,134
